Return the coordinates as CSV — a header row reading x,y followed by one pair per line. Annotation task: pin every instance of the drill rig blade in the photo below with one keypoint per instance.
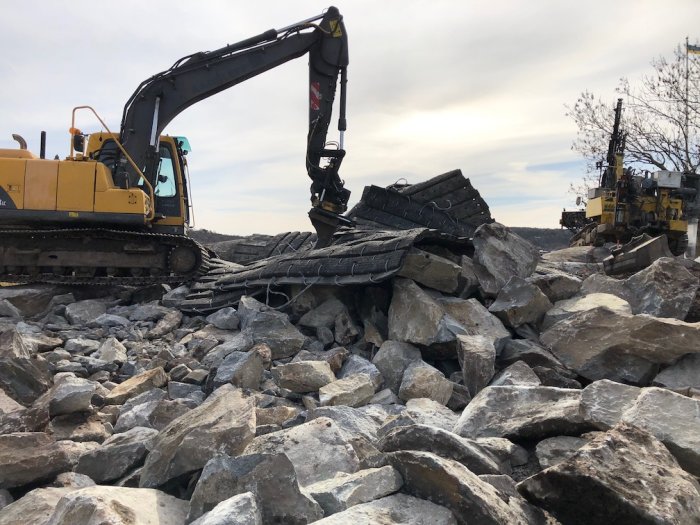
x,y
326,223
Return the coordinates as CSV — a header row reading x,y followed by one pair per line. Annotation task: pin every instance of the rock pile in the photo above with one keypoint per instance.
x,y
490,389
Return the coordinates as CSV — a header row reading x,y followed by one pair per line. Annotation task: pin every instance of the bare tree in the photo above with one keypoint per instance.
x,y
661,118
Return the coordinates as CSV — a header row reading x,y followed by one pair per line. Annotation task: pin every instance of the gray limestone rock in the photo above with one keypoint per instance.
x,y
266,325
519,302
355,364
225,319
271,477
241,509
622,476
476,319
451,484
35,507
519,373
303,376
241,369
324,315
169,322
684,373
70,394
430,412
81,346
477,357
673,419
568,307
82,312
556,449
603,402
317,449
431,270
499,254
31,457
422,380
225,423
354,390
397,509
346,490
601,344
136,385
416,318
118,505
392,359
556,286
522,412
111,350
442,443
118,455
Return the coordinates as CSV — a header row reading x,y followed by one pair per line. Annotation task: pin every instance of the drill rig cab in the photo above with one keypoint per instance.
x,y
117,209
627,204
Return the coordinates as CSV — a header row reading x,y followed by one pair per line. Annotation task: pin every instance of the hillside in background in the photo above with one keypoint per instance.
x,y
547,239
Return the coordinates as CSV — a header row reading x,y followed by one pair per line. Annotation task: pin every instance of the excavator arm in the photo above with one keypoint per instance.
x,y
159,99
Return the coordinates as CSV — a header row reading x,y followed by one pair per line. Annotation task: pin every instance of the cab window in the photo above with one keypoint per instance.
x,y
165,183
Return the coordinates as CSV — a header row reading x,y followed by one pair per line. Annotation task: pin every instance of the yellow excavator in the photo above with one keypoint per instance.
x,y
627,205
116,211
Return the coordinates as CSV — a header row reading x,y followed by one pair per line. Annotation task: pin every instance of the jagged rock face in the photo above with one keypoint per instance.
x,y
270,476
499,254
556,449
601,344
416,318
603,402
397,509
355,390
519,302
556,286
36,507
673,419
471,500
477,356
136,385
225,423
83,312
564,309
303,376
420,380
519,373
431,270
684,373
521,412
392,359
241,509
476,319
664,289
594,485
265,325
118,505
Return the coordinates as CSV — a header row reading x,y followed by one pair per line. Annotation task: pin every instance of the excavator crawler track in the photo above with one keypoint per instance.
x,y
95,256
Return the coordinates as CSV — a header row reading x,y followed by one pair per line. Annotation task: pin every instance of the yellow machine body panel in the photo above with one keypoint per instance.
x,y
76,186
12,183
41,181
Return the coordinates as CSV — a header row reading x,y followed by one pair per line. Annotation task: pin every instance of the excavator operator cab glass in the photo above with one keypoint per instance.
x,y
165,182
183,144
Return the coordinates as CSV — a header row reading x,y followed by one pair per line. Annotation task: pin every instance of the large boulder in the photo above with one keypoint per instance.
x,y
416,318
241,369
224,424
303,376
241,509
431,270
420,380
500,254
519,302
521,412
397,509
35,507
568,307
603,402
477,357
30,300
317,449
684,373
82,312
451,484
271,477
392,359
557,286
441,442
154,378
663,289
118,506
602,344
70,394
117,455
346,490
622,476
30,457
355,390
673,419
266,325
476,319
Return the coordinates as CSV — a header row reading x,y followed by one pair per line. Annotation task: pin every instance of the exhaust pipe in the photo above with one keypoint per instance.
x,y
22,142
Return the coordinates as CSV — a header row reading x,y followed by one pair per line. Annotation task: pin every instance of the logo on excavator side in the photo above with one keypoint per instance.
x,y
316,96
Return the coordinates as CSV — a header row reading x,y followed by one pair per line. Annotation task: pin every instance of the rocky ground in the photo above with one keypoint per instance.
x,y
496,389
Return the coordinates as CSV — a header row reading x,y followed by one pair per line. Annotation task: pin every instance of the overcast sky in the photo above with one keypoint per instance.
x,y
433,86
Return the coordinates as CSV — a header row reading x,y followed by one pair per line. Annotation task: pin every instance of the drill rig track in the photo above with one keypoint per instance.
x,y
95,256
